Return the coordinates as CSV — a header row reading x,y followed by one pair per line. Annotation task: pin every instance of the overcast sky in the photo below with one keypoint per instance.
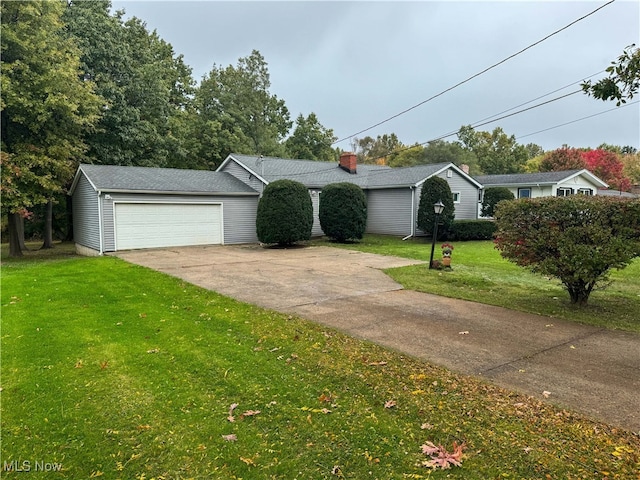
x,y
355,64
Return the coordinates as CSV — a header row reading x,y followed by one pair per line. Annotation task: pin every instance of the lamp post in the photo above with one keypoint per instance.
x,y
437,209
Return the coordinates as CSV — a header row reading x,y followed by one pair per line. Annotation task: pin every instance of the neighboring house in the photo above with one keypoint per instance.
x,y
120,208
393,194
545,184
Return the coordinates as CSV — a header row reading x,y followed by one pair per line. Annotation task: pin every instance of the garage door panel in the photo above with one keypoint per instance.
x,y
152,225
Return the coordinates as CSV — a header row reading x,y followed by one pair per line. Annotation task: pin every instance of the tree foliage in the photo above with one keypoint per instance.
x,y
46,107
145,86
623,81
343,211
562,159
311,141
577,239
497,152
285,213
435,189
237,113
607,166
492,196
381,150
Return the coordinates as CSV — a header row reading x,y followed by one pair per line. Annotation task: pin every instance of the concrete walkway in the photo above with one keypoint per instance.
x,y
587,369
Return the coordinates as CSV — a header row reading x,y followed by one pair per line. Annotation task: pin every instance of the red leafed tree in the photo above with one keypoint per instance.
x,y
562,159
607,166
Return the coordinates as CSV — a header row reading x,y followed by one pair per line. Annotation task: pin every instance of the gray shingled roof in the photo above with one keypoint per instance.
x,y
111,178
525,178
319,174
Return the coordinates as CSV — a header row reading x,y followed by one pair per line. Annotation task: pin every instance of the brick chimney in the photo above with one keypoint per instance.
x,y
465,168
349,162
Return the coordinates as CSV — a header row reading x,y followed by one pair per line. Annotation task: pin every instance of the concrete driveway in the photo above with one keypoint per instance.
x,y
588,369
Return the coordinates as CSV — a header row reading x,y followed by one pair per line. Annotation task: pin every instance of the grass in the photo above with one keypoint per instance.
x,y
111,370
480,274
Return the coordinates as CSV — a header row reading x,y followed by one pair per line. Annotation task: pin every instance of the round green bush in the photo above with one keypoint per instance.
x,y
343,211
433,190
492,196
285,213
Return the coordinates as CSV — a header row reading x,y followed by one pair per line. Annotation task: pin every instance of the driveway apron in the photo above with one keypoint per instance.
x,y
590,370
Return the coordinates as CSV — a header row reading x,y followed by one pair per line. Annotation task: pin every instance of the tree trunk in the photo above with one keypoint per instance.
x,y
48,226
14,235
579,293
69,236
20,230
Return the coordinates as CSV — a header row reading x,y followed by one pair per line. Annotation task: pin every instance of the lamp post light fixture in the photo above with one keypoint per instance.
x,y
437,209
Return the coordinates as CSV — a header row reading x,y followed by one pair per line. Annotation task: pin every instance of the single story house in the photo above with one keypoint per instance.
x,y
393,194
120,207
546,184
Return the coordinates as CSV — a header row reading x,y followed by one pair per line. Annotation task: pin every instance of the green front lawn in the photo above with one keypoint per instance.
x,y
111,370
480,274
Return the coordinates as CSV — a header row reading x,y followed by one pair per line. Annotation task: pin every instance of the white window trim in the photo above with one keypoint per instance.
x,y
525,188
454,195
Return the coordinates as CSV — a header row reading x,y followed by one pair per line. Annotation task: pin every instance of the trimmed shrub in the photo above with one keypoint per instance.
x,y
285,213
577,239
343,211
492,196
472,230
434,189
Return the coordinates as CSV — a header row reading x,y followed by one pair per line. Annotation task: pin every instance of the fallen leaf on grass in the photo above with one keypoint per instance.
x,y
389,404
250,413
426,426
153,350
440,457
79,364
144,427
231,409
546,394
230,438
377,364
248,461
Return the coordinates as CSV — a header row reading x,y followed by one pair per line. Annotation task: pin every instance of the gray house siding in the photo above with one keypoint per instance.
x,y
389,211
243,175
239,214
467,208
86,217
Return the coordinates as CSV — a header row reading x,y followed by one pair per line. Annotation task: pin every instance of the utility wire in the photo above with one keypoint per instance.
x,y
578,120
476,75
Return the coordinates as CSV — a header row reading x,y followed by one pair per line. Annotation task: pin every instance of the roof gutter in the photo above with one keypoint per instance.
x,y
165,192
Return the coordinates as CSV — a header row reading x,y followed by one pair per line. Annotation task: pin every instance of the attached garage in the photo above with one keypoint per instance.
x,y
153,225
122,208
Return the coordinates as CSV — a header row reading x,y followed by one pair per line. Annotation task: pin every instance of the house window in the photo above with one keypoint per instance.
x,y
524,193
456,197
585,191
564,192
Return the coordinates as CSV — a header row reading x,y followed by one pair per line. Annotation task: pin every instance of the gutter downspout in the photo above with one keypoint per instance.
x,y
100,226
413,218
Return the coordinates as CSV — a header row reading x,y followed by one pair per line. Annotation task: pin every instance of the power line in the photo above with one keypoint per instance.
x,y
578,120
476,75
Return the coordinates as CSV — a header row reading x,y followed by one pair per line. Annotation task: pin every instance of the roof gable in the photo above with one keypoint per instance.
x,y
117,178
537,178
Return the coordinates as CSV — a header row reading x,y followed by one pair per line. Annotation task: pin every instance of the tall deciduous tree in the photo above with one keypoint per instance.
x,y
146,87
561,159
607,166
497,152
623,81
46,108
236,111
381,150
311,141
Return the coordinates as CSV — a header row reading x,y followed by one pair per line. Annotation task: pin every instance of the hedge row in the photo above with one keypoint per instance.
x,y
472,230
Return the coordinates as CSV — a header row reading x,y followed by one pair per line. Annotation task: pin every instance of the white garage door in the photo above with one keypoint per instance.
x,y
152,225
